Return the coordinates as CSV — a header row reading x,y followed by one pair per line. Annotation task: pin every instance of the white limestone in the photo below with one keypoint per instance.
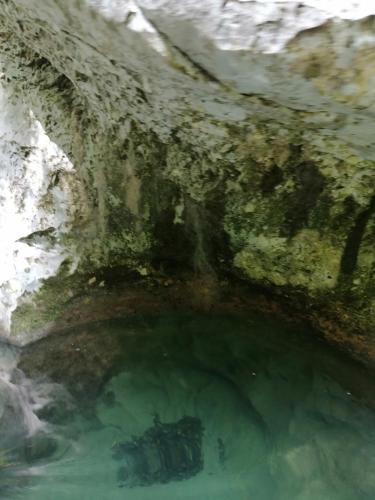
x,y
263,26
28,162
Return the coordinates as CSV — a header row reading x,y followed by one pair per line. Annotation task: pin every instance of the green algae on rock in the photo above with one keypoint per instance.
x,y
185,162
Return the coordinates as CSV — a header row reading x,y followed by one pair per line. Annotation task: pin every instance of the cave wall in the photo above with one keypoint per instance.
x,y
222,139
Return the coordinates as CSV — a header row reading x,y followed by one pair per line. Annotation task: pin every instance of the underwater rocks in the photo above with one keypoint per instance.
x,y
165,452
24,438
13,425
272,414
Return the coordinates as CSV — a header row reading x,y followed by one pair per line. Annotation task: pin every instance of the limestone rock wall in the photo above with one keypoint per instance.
x,y
226,137
36,206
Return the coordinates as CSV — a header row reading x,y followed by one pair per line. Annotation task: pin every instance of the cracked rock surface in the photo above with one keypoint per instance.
x,y
223,137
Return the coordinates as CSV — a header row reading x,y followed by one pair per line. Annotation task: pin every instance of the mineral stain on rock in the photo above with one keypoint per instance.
x,y
165,452
310,184
354,239
159,160
271,180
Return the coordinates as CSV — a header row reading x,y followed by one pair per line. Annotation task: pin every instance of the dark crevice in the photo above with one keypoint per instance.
x,y
271,179
172,248
40,62
310,184
201,69
38,237
353,242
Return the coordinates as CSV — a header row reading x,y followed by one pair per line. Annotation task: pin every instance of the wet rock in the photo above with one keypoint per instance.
x,y
165,452
13,417
39,446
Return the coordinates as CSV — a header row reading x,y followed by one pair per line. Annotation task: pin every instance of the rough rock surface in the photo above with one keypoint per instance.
x,y
220,136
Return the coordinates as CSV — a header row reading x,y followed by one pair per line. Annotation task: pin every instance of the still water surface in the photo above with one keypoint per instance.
x,y
185,407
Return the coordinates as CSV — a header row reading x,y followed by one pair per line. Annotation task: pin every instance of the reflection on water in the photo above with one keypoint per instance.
x,y
189,407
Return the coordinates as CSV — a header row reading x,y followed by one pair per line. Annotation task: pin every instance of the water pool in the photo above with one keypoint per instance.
x,y
181,407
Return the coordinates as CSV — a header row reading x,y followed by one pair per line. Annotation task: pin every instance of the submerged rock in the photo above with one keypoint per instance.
x,y
40,446
165,452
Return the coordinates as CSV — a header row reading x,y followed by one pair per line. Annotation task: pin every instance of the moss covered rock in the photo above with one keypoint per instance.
x,y
201,145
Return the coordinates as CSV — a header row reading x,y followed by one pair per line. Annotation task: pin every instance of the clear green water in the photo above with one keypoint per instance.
x,y
284,417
